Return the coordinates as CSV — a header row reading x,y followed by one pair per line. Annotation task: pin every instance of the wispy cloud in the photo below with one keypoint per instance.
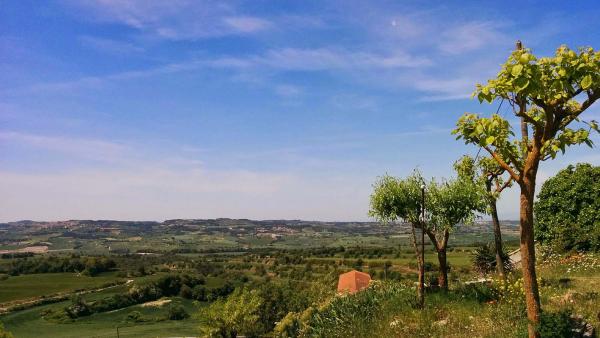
x,y
82,147
110,45
470,36
175,20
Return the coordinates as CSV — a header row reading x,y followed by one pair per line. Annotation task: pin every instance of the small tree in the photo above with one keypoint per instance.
x,y
396,199
549,95
450,203
489,176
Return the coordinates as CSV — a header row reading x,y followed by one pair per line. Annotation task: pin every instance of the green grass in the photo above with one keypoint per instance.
x,y
37,285
29,323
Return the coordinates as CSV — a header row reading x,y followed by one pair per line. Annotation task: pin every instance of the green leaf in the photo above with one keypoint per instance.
x,y
586,82
521,83
516,70
490,140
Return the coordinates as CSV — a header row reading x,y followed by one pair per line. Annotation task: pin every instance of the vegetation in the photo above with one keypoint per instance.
x,y
488,175
567,213
545,94
485,260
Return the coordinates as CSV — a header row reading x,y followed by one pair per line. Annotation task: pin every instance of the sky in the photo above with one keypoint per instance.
x,y
152,110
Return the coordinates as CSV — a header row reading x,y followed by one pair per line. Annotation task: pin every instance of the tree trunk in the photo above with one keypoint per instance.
x,y
530,285
440,248
443,273
421,266
497,239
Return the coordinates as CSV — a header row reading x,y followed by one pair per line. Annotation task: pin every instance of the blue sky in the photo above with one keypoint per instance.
x,y
126,109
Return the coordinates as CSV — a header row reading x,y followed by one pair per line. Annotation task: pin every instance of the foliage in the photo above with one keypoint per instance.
x,y
239,314
177,312
568,209
397,199
347,315
484,259
4,333
90,266
274,300
169,285
556,325
550,86
452,202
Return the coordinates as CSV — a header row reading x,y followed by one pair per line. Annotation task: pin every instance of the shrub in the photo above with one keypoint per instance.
x,y
555,325
177,312
4,333
348,315
484,259
134,316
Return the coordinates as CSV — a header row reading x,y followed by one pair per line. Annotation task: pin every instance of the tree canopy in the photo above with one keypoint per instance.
x,y
549,93
567,213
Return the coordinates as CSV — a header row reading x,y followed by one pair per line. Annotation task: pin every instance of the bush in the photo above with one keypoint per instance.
x,y
484,259
348,315
555,325
134,316
177,312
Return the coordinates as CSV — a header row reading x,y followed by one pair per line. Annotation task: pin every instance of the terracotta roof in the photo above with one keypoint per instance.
x,y
353,281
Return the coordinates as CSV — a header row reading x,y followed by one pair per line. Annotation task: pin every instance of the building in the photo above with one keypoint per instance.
x,y
353,281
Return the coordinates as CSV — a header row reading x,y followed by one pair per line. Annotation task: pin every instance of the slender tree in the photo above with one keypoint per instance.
x,y
489,176
396,199
549,95
450,203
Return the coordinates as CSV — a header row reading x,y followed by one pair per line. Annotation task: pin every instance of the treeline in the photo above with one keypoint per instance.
x,y
90,266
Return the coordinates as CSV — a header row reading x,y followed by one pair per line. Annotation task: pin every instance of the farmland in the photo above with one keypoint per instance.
x,y
161,279
238,252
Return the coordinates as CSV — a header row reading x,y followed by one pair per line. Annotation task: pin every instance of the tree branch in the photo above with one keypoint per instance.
x,y
505,185
503,164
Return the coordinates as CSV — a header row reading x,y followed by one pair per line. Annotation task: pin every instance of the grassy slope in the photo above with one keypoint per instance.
x,y
35,285
28,323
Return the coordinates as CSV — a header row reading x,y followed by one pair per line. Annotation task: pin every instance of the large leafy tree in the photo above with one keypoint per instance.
x,y
548,95
395,199
567,212
489,176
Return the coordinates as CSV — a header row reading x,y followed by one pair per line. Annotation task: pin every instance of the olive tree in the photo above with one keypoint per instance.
x,y
548,95
489,176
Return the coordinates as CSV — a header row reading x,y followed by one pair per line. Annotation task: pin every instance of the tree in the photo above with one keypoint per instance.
x,y
549,95
449,203
239,314
489,176
567,213
396,199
